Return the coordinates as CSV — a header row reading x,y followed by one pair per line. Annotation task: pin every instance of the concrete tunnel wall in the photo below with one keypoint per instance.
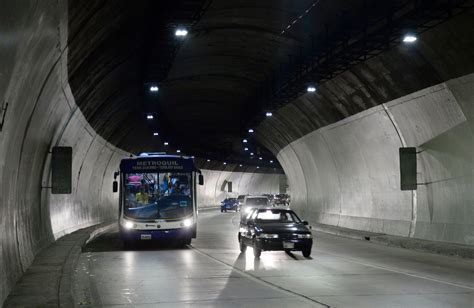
x,y
347,174
214,190
42,113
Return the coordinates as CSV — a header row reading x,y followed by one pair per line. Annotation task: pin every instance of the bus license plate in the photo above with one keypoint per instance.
x,y
288,245
145,236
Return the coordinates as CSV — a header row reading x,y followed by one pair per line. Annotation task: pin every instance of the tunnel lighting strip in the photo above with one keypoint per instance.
x,y
306,12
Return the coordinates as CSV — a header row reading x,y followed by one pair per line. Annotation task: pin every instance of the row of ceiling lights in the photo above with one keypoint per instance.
x,y
408,39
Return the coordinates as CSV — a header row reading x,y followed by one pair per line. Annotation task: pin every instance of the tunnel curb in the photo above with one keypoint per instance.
x,y
48,280
442,248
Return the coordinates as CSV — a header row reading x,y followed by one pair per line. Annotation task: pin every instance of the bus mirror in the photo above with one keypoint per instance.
x,y
116,174
115,186
201,179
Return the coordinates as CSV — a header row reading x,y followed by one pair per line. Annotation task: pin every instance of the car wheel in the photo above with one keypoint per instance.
x,y
306,252
242,245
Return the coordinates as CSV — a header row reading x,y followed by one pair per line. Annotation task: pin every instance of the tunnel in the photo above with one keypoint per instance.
x,y
315,99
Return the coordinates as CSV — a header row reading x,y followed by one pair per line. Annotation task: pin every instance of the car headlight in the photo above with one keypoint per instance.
x,y
267,235
306,235
187,222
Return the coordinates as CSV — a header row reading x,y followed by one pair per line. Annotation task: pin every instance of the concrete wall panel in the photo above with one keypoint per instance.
x,y
212,193
41,114
351,168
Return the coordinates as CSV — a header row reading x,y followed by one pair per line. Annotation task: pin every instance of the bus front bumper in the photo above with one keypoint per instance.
x,y
131,235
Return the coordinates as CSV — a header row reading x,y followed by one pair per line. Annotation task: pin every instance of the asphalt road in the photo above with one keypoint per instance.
x,y
212,272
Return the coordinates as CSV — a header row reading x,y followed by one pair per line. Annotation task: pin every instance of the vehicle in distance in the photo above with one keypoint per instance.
x,y
281,199
251,202
230,204
274,229
241,198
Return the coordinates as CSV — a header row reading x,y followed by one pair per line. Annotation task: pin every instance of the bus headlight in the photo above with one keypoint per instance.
x,y
129,225
187,222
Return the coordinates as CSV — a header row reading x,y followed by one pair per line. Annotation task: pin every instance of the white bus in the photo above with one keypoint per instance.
x,y
157,198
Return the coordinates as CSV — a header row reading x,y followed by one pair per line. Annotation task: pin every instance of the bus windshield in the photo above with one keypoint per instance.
x,y
157,195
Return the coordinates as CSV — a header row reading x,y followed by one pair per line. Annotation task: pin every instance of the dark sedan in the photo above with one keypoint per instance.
x,y
274,229
230,204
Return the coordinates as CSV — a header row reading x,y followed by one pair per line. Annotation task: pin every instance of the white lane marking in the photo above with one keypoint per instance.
x,y
305,298
396,271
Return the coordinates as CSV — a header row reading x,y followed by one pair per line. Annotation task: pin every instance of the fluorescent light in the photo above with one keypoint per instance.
x,y
260,158
178,151
165,143
311,89
208,160
258,167
149,117
155,134
250,130
225,163
251,153
268,114
271,162
246,149
154,89
240,165
181,32
244,141
409,38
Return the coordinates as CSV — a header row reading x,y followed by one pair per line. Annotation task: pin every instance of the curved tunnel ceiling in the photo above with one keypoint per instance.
x,y
211,83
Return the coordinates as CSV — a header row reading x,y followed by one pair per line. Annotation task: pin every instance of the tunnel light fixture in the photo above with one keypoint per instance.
x,y
268,114
260,158
181,32
245,141
311,89
409,38
225,163
155,134
271,162
178,151
250,130
240,165
154,89
258,167
165,143
208,160
150,117
246,149
251,154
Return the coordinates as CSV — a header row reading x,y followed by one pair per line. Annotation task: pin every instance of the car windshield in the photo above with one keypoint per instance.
x,y
157,195
276,216
257,201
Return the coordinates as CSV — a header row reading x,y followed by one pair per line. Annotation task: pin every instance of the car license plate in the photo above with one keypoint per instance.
x,y
288,245
145,236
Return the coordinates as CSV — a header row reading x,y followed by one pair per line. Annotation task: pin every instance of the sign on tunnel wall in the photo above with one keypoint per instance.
x,y
407,168
61,163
